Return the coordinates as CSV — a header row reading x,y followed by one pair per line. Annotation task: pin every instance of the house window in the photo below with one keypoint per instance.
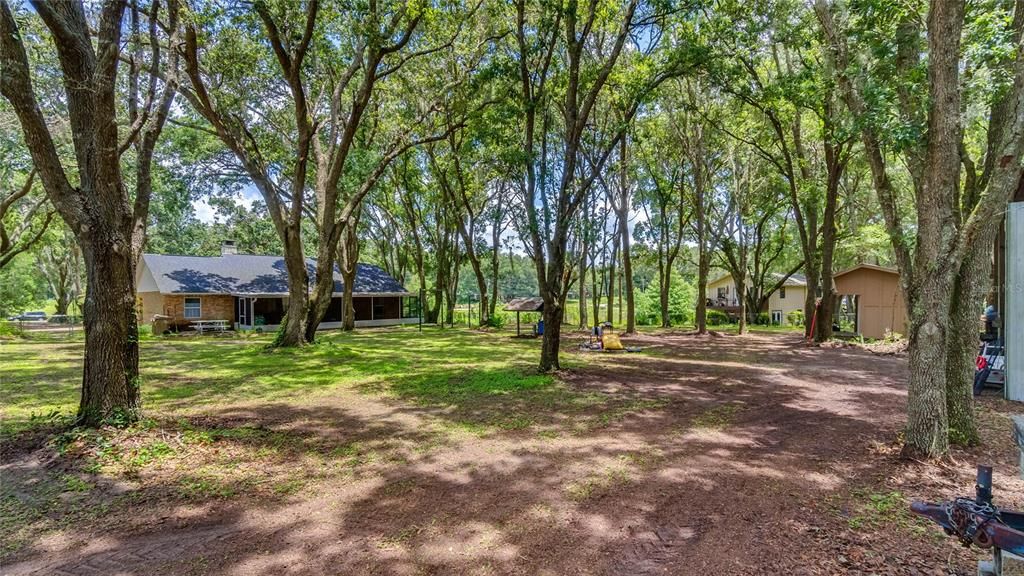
x,y
378,309
782,293
193,308
723,291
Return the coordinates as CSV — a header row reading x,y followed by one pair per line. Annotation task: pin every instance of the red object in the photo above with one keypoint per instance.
x,y
981,363
814,320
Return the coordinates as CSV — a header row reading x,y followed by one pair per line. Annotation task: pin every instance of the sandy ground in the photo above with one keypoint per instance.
x,y
750,455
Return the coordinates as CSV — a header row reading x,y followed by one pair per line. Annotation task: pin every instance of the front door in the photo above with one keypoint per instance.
x,y
242,307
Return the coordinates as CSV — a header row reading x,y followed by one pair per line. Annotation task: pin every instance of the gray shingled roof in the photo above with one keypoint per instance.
x,y
527,304
248,274
795,280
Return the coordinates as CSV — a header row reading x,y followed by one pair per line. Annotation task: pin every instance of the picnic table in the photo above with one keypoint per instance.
x,y
201,326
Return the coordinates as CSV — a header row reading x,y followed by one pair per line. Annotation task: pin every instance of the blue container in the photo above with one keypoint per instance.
x,y
540,328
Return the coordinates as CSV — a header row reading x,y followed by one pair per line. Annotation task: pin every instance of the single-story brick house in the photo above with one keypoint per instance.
x,y
250,291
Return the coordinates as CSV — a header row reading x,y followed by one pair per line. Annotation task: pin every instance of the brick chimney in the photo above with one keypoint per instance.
x,y
228,248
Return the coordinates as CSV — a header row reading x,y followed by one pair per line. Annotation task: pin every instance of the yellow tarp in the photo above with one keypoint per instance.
x,y
612,342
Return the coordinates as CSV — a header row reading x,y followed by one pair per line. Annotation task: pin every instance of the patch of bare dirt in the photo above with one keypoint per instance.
x,y
752,454
896,347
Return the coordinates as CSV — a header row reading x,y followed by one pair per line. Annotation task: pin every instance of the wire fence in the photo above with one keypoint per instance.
x,y
468,314
56,325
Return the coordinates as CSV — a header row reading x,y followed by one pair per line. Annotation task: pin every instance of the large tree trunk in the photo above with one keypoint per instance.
x,y
440,278
422,277
755,302
741,280
293,331
434,312
552,291
348,261
627,263
452,289
434,308
63,300
323,284
974,276
582,265
703,251
108,223
621,282
741,290
348,309
835,161
736,263
627,285
553,311
811,315
701,180
110,380
703,266
286,213
583,288
495,264
927,418
969,289
481,284
610,316
826,310
664,287
552,335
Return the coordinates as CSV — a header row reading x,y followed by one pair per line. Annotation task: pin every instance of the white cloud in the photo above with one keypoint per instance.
x,y
204,212
207,214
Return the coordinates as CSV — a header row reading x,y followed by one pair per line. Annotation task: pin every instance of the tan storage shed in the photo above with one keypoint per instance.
x,y
879,300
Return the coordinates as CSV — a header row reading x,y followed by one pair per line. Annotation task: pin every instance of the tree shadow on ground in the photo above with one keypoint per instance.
x,y
686,462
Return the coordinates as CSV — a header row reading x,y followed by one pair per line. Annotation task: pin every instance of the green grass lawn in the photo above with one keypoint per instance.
x,y
445,367
41,376
226,418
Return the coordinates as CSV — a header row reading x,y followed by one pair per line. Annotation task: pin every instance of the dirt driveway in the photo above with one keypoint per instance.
x,y
737,455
